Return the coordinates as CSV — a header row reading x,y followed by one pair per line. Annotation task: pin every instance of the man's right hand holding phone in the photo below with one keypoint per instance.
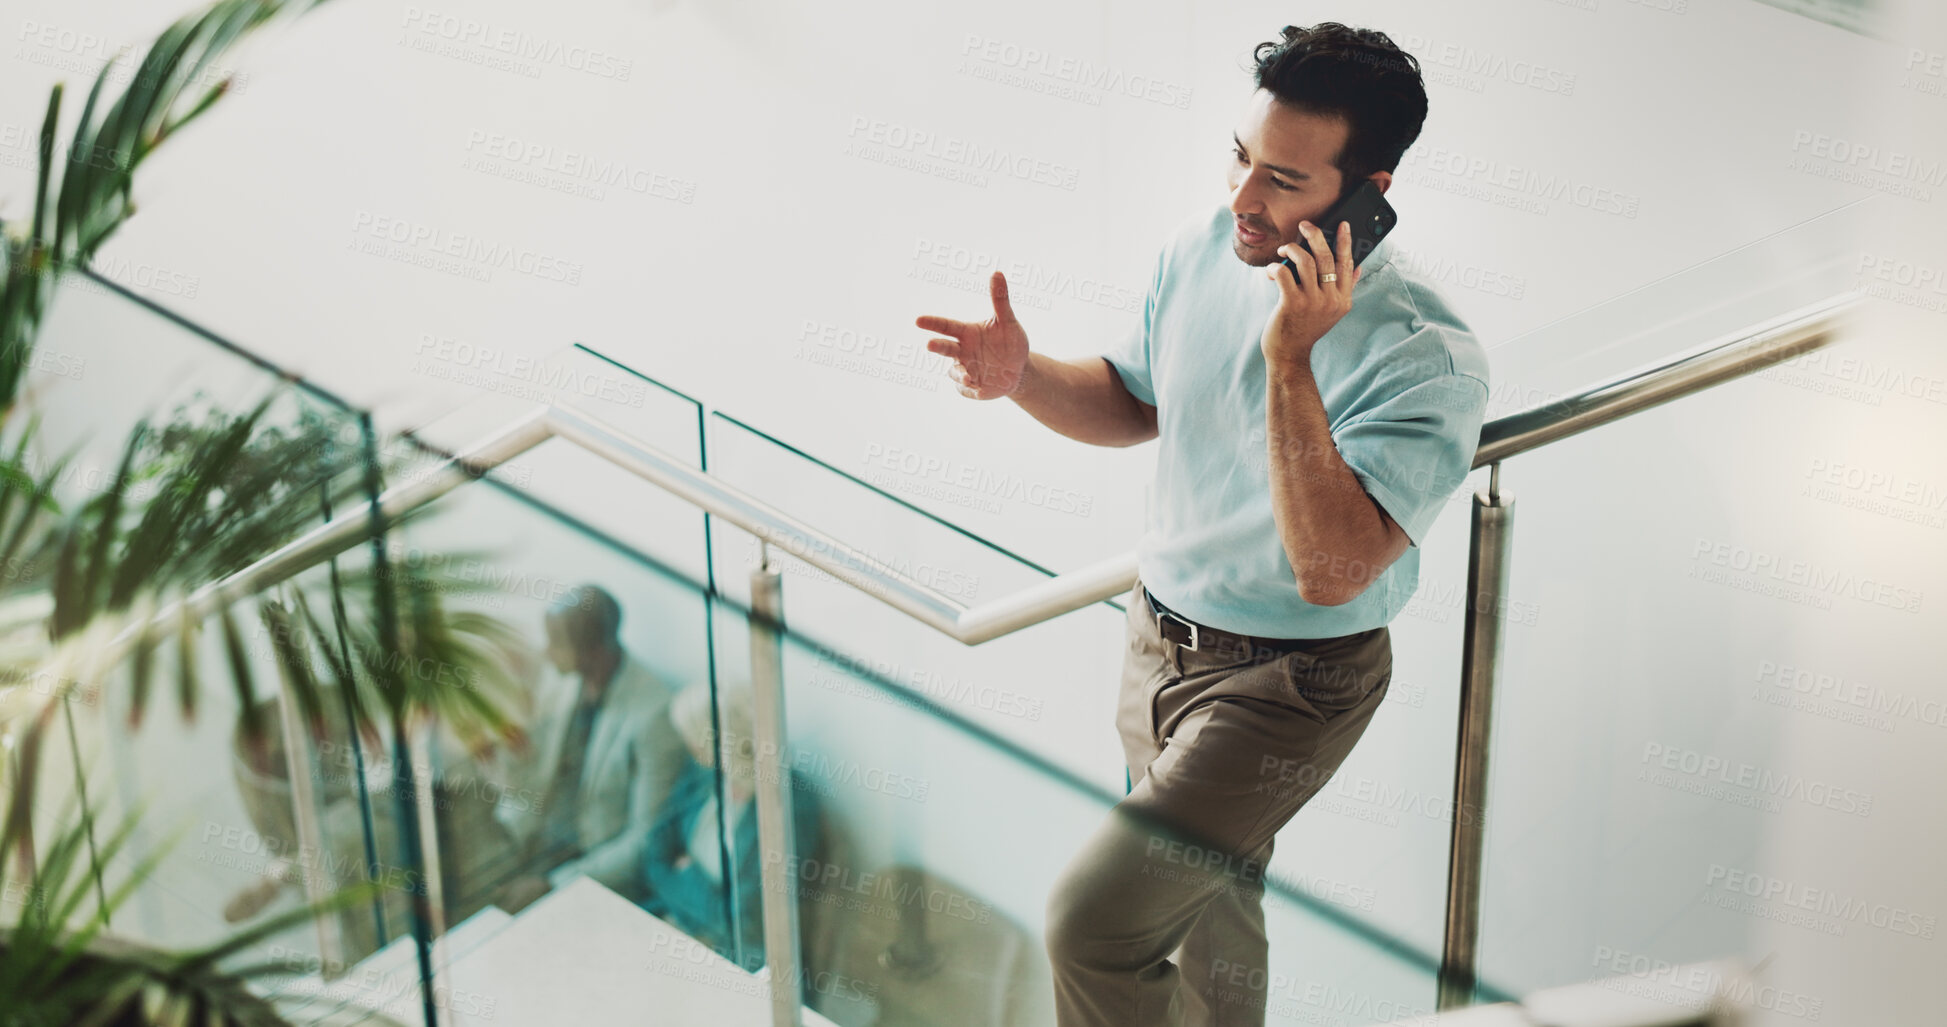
x,y
990,357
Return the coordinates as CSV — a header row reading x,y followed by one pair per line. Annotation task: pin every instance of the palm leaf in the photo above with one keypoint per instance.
x,y
249,716
186,680
46,166
287,643
75,178
141,671
109,526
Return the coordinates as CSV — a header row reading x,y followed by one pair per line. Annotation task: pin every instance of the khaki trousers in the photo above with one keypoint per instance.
x,y
1223,748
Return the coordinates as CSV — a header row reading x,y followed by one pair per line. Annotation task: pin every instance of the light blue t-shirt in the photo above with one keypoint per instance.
x,y
1404,385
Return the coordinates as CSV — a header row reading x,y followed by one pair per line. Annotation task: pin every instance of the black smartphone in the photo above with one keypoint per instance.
x,y
1372,219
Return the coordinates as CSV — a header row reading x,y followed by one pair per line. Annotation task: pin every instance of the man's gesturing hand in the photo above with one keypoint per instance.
x,y
1308,306
989,357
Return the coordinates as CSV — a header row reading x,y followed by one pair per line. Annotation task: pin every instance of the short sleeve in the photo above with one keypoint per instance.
x,y
1131,358
1412,451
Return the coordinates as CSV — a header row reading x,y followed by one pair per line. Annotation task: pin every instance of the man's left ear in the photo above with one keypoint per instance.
x,y
1382,179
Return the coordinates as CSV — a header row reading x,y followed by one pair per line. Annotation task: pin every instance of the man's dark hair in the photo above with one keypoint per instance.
x,y
1355,74
589,617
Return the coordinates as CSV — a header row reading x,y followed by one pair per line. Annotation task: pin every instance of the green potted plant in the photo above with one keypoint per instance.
x,y
217,491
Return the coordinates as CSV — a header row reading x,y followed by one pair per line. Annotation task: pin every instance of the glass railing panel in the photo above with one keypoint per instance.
x,y
879,706
549,808
1793,268
1386,813
928,847
233,461
1030,686
633,512
914,810
1726,695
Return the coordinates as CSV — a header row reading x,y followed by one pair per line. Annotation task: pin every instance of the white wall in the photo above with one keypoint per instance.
x,y
1707,119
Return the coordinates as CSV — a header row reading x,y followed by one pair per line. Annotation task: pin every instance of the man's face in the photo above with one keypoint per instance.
x,y
1281,174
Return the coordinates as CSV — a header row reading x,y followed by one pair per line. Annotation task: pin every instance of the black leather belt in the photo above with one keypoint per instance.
x,y
1201,637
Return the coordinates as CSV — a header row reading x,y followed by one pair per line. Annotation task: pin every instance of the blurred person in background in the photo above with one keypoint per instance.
x,y
683,861
602,755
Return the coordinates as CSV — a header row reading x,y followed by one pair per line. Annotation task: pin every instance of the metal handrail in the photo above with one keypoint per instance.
x,y
1742,353
1032,605
1732,356
1739,354
1488,561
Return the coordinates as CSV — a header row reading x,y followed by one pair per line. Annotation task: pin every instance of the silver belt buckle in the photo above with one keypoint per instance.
x,y
1195,640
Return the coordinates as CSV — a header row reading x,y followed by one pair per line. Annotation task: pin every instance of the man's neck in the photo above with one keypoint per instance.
x,y
597,672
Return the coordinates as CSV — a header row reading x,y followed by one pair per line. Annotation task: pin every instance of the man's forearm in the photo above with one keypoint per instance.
x,y
1329,526
1085,401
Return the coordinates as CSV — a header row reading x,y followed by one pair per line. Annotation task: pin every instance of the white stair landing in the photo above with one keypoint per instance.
x,y
580,955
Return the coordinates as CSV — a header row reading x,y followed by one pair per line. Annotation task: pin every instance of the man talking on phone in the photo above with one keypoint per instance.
x,y
1311,427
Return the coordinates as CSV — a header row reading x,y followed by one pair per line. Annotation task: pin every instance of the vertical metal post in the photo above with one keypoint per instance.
x,y
421,742
299,765
26,864
405,794
1487,582
773,782
404,791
